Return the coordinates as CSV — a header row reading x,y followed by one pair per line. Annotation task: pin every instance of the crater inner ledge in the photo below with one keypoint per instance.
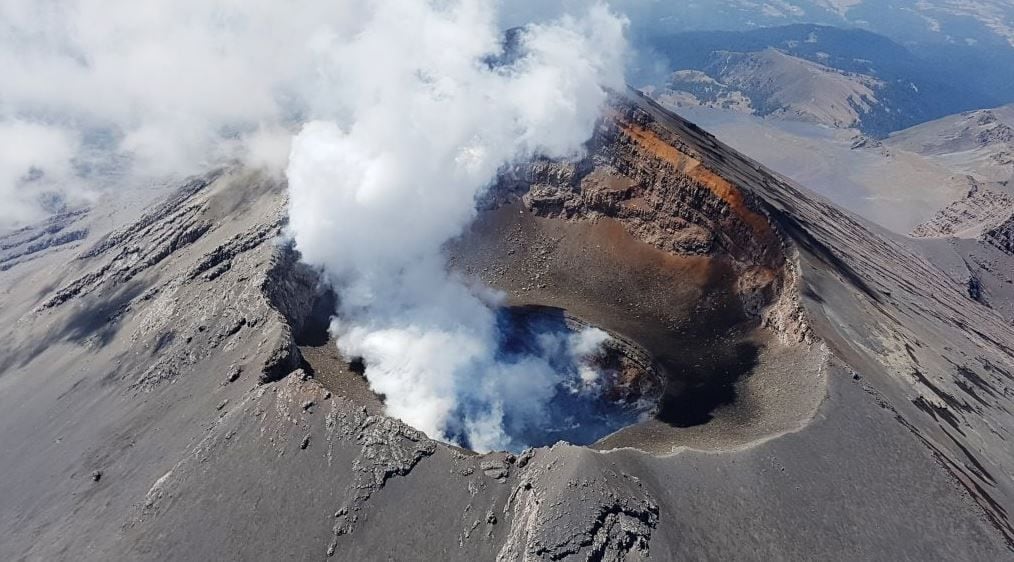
x,y
719,379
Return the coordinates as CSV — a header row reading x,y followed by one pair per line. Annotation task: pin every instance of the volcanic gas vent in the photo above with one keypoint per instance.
x,y
601,382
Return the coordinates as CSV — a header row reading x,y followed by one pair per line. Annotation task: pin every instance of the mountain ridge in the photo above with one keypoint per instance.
x,y
911,88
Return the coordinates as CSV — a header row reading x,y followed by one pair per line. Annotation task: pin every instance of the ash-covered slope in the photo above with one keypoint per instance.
x,y
895,189
973,238
168,389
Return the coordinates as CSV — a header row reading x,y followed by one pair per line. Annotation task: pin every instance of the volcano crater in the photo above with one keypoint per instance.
x,y
719,378
640,239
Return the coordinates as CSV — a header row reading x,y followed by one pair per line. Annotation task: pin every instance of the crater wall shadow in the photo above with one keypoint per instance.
x,y
95,321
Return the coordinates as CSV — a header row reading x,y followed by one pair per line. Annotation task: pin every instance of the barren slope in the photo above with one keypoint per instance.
x,y
872,421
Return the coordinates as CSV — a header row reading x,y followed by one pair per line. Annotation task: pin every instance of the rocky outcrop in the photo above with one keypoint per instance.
x,y
158,213
981,211
1002,236
984,215
389,449
558,512
160,233
30,242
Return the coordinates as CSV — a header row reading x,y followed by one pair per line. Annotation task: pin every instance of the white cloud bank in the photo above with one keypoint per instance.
x,y
99,94
425,124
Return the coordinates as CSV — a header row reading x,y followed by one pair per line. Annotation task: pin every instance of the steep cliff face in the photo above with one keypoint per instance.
x,y
643,175
1002,236
982,210
650,181
173,379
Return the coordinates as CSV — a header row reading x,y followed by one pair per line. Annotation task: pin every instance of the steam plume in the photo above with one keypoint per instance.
x,y
430,109
101,95
405,110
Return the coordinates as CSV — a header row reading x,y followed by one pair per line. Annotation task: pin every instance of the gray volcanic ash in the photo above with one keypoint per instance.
x,y
505,249
190,318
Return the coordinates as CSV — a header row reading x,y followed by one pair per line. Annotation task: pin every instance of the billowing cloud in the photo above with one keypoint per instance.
x,y
28,150
396,114
130,91
99,94
430,108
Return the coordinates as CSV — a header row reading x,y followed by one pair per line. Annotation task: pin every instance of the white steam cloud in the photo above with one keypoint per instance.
x,y
431,107
99,95
405,110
